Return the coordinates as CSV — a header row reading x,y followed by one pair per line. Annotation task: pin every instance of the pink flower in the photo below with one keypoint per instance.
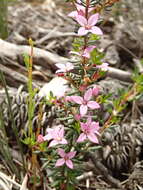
x,y
85,102
40,138
90,129
63,68
95,90
66,158
88,25
68,99
56,135
103,66
85,53
80,10
77,117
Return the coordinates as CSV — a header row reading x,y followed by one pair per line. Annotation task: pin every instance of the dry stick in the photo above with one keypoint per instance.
x,y
138,64
55,34
45,58
85,176
119,74
104,171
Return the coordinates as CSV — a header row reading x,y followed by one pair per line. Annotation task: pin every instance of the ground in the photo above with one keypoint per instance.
x,y
46,22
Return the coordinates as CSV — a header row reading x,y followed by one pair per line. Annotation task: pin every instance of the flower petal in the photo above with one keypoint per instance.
x,y
93,105
83,126
77,99
82,31
88,94
60,162
87,51
47,137
61,132
61,152
69,164
73,14
96,30
92,137
83,110
71,154
94,126
40,138
63,141
103,66
93,19
88,123
81,137
95,90
80,8
53,143
81,20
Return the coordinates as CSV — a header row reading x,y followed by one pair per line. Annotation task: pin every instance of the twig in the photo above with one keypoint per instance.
x,y
138,65
55,34
119,74
24,183
3,176
85,176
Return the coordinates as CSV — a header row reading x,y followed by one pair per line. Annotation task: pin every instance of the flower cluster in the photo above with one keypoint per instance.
x,y
85,102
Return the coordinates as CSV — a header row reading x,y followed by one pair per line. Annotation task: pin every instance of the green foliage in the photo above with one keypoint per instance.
x,y
96,57
3,19
5,150
30,101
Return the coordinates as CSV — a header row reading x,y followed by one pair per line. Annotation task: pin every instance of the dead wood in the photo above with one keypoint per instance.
x,y
44,58
119,74
12,64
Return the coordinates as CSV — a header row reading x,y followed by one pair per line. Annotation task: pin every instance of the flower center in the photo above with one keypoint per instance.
x,y
66,158
86,131
58,138
84,102
87,27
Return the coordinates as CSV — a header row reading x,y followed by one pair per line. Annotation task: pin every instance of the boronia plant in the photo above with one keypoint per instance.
x,y
79,128
65,145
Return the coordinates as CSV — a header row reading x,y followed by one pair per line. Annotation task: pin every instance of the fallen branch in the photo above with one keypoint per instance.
x,y
119,74
41,57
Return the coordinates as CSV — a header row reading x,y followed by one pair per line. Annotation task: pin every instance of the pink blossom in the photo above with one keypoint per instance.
x,y
40,138
68,99
103,66
95,90
85,53
80,10
66,158
85,102
77,117
90,129
63,68
56,135
88,25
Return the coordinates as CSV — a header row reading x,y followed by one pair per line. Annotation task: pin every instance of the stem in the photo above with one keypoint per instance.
x,y
133,92
30,89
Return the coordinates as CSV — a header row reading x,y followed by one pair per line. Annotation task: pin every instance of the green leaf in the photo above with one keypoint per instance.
x,y
76,126
26,60
70,187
